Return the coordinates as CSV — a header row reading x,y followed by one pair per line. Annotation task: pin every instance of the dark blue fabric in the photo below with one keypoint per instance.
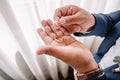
x,y
112,75
109,75
97,57
103,77
108,26
109,40
104,23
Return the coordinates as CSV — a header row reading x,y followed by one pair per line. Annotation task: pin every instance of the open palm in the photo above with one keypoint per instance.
x,y
60,44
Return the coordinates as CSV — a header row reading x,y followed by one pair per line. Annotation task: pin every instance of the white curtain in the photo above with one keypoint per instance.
x,y
19,40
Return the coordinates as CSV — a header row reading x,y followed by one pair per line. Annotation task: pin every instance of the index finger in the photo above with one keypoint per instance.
x,y
60,12
46,38
57,14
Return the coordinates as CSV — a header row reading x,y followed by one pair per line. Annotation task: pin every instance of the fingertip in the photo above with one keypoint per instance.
x,y
40,51
37,52
39,30
44,22
56,18
43,49
49,21
62,20
57,24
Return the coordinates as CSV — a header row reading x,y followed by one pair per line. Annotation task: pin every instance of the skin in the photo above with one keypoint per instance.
x,y
60,44
74,19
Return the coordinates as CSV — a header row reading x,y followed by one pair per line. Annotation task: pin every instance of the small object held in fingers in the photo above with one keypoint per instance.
x,y
57,24
62,20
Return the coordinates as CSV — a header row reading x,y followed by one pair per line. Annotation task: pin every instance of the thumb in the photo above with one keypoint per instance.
x,y
70,20
53,51
44,50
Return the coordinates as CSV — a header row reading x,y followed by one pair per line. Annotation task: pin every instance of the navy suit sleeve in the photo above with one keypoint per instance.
x,y
104,23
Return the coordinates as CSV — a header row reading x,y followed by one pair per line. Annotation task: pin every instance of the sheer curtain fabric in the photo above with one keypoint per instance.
x,y
19,40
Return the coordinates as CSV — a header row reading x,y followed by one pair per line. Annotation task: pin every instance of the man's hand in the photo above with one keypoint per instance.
x,y
74,19
65,47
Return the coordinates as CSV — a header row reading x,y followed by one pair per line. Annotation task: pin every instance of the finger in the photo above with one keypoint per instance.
x,y
56,31
59,33
60,12
47,39
44,23
67,14
70,20
74,28
59,53
50,31
57,14
50,23
65,31
47,26
52,50
71,29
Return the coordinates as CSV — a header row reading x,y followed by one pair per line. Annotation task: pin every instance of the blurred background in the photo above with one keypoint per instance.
x,y
19,40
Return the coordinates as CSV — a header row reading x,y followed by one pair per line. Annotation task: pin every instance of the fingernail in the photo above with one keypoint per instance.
x,y
62,21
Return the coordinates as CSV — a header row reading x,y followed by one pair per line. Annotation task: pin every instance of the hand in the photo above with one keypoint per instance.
x,y
65,47
74,19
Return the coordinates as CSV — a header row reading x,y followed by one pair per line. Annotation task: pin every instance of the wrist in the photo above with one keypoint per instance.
x,y
88,67
92,22
93,74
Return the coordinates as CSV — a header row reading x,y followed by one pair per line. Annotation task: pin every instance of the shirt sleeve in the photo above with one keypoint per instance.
x,y
104,23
